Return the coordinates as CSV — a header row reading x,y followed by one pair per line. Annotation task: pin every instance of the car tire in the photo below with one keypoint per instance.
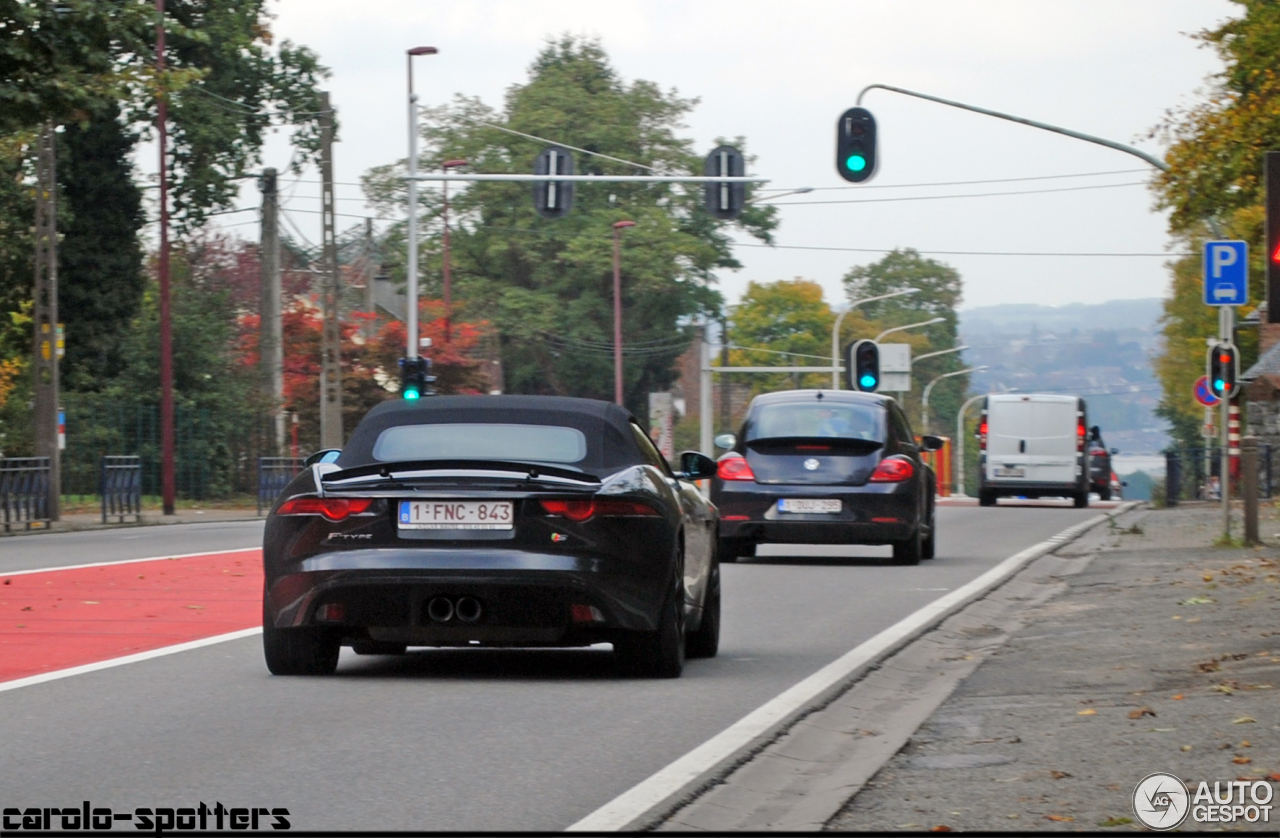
x,y
986,498
1104,494
928,547
378,647
299,651
909,552
705,642
1081,499
657,654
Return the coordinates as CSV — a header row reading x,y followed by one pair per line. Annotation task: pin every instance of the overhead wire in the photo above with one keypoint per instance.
x,y
962,195
959,182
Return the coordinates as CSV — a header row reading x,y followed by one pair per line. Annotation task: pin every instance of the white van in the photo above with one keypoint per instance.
x,y
1033,445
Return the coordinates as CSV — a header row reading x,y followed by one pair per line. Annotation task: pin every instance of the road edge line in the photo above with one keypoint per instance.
x,y
662,791
125,561
44,677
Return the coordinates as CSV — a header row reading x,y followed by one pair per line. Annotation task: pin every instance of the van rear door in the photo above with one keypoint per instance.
x,y
1033,438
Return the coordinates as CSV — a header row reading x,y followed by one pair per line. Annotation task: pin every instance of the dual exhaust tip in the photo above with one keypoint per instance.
x,y
466,609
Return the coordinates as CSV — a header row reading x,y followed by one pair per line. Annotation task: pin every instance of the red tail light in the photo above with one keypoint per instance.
x,y
892,470
734,467
982,436
1081,433
333,509
581,510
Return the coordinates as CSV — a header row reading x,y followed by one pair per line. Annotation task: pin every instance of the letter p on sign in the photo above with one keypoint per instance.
x,y
1226,273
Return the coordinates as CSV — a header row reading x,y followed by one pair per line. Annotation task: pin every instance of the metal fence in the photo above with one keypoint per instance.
x,y
1195,474
24,491
120,485
274,473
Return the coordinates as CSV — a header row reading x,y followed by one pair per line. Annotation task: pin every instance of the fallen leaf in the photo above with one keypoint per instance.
x,y
1140,712
90,602
28,608
1178,697
1222,688
197,607
941,828
1244,720
1058,775
1196,600
1186,747
1208,577
1242,760
1274,776
1209,666
1089,712
1116,822
6,581
1013,817
1059,818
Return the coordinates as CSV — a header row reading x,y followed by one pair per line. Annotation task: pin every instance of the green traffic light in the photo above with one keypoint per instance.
x,y
867,381
855,163
411,394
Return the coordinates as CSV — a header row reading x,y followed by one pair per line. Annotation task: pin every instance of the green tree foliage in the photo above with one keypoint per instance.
x,y
941,291
100,278
1216,179
787,316
547,286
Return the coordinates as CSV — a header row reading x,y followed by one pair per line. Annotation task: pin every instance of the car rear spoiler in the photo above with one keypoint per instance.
x,y
432,468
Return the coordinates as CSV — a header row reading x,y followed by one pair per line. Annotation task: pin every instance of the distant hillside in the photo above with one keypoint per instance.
x,y
1101,352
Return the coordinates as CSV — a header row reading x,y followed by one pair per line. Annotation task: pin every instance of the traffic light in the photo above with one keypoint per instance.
x,y
725,200
416,378
862,366
1224,367
553,198
856,145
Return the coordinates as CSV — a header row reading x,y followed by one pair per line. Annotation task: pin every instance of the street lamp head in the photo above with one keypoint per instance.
x,y
453,164
618,225
423,51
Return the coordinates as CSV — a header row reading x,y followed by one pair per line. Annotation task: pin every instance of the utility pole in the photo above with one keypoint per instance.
x,y
168,458
370,273
331,435
271,326
46,316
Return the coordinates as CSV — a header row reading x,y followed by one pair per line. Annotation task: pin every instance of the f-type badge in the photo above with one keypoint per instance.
x,y
812,464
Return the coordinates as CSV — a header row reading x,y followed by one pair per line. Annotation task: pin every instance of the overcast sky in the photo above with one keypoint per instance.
x,y
780,73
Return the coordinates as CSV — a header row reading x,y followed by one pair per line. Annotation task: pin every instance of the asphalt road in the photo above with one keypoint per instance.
x,y
449,739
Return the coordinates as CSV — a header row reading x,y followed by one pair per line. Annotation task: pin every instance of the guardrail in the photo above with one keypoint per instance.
x,y
120,484
274,473
24,492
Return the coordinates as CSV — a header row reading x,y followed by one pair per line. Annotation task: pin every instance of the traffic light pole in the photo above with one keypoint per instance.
x,y
1226,329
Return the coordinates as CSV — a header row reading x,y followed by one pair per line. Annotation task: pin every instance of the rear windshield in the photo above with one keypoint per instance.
x,y
842,421
481,441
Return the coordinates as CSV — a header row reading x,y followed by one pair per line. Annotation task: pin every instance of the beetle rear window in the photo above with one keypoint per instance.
x,y
481,441
844,421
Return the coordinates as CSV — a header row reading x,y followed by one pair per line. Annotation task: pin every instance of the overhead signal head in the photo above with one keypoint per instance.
x,y
856,145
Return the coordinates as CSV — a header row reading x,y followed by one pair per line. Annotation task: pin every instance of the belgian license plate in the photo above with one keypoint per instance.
x,y
820,505
455,515
1010,472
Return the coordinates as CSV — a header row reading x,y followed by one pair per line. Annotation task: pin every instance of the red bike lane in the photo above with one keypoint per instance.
x,y
56,619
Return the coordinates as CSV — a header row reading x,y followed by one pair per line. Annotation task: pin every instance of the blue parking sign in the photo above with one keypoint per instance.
x,y
1226,273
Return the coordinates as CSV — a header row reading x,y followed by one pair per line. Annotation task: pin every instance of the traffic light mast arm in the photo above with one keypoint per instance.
x,y
1089,138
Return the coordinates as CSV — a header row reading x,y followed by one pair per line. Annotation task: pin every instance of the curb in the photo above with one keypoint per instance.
x,y
656,797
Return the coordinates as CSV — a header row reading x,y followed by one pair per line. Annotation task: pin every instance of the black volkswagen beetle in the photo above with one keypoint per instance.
x,y
493,521
825,467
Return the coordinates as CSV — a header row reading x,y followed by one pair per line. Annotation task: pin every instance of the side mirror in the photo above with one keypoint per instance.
x,y
929,442
695,465
1115,450
328,455
725,441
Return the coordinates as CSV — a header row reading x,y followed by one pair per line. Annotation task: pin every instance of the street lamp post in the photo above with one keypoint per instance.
x,y
411,318
448,276
910,326
835,331
618,227
924,399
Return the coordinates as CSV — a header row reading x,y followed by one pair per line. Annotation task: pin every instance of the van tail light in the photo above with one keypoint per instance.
x,y
1081,433
892,470
982,436
581,510
734,467
333,509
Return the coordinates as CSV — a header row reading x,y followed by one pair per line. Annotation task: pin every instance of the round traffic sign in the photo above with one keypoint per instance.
x,y
1204,395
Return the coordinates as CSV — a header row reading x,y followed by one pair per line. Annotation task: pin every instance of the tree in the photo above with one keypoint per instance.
x,y
547,285
100,278
1216,179
775,320
941,290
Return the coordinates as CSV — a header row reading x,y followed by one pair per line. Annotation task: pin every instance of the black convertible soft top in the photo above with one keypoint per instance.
x,y
610,441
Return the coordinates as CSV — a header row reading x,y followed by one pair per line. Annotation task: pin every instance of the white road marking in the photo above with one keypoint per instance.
x,y
661,788
125,561
140,656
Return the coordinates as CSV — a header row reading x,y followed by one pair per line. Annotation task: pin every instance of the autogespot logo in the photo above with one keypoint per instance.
x,y
1160,801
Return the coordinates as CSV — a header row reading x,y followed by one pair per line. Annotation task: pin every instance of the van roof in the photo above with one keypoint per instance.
x,y
1033,397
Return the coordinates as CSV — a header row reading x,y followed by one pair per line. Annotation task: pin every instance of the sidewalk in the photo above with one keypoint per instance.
x,y
1161,654
76,521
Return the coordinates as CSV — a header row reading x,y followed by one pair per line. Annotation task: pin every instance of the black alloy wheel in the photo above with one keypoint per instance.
x,y
660,653
909,552
299,651
705,641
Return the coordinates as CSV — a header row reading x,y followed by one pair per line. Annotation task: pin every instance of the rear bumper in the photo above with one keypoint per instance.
x,y
1028,488
525,597
871,514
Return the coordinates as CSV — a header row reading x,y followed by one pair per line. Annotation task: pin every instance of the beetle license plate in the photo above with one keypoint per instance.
x,y
811,505
455,515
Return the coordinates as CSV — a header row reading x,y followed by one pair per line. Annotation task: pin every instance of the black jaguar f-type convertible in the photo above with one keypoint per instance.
x,y
493,521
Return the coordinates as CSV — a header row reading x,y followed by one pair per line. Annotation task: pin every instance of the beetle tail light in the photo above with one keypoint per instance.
x,y
892,470
734,467
332,509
